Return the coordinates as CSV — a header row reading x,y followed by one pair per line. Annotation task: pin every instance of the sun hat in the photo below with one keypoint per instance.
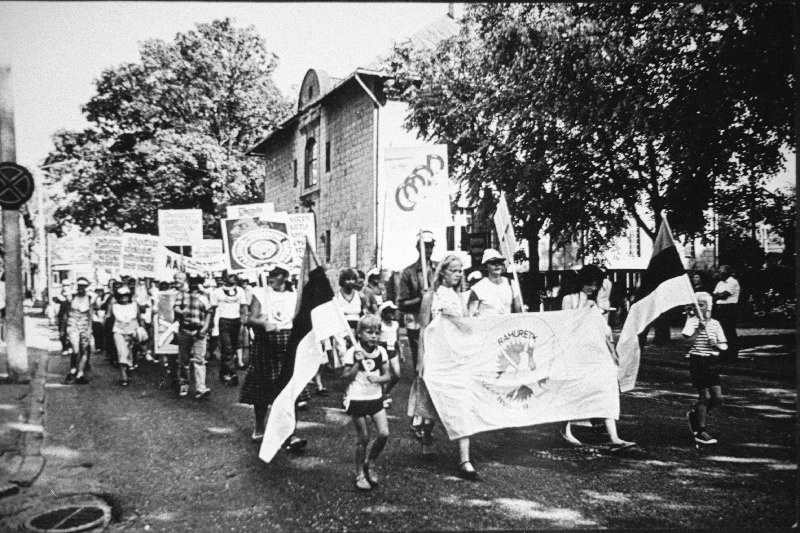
x,y
427,236
490,254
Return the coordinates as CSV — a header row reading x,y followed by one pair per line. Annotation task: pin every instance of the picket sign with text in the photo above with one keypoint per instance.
x,y
140,255
251,210
180,227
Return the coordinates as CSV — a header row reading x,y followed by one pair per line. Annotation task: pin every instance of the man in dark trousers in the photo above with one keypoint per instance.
x,y
726,300
409,298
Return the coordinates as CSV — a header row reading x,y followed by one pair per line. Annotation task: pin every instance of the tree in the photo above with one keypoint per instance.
x,y
588,114
170,132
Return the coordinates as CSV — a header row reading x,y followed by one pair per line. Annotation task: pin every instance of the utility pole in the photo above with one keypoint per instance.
x,y
15,362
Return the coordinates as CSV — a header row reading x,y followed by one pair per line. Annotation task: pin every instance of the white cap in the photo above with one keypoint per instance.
x,y
373,272
387,304
491,254
427,236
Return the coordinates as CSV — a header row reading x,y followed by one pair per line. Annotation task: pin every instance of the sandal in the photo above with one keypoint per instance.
x,y
619,446
124,382
469,475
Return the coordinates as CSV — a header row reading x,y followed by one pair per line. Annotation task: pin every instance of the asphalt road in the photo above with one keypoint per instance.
x,y
169,464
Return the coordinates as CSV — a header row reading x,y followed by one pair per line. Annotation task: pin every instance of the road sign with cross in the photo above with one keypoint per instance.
x,y
16,185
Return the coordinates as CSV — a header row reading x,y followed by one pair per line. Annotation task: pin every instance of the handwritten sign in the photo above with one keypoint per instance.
x,y
301,226
139,255
180,227
207,256
251,210
107,252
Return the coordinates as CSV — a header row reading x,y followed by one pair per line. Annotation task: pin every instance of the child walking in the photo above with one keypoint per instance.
x,y
707,340
367,369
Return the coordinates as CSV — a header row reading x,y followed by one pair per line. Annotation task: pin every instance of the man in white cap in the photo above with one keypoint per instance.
x,y
493,295
409,292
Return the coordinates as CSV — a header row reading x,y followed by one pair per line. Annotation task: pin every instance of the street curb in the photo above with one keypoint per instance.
x,y
729,370
30,444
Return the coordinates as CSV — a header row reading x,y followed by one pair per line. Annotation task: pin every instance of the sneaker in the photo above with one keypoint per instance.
x,y
362,483
293,444
416,431
302,406
370,475
690,419
256,436
701,437
183,391
69,379
202,395
568,438
387,403
81,380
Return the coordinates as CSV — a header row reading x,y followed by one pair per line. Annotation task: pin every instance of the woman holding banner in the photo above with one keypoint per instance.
x,y
270,315
588,281
441,300
494,294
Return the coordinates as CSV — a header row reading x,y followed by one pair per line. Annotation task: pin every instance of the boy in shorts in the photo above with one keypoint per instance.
x,y
366,368
707,340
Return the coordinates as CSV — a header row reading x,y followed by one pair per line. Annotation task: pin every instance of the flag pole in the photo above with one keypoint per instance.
x,y
423,261
694,296
316,260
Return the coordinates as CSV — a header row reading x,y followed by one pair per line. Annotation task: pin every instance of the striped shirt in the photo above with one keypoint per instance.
x,y
708,339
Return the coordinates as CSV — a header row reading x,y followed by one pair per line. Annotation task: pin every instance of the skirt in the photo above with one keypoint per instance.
x,y
419,401
268,357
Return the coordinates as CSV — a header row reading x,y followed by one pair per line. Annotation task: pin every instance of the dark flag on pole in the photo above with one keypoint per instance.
x,y
317,318
664,285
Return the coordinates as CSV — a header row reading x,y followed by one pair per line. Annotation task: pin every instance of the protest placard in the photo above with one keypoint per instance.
x,y
71,250
207,257
301,227
107,252
256,243
251,210
139,255
180,227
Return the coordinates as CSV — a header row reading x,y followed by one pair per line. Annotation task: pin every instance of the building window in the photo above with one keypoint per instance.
x,y
311,163
690,249
636,243
327,246
327,156
294,172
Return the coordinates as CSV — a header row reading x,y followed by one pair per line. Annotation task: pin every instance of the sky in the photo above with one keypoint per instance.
x,y
57,49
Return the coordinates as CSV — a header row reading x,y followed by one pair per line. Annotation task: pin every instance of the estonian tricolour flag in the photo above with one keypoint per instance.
x,y
317,319
664,285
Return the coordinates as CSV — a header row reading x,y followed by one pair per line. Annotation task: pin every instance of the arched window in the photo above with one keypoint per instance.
x,y
311,163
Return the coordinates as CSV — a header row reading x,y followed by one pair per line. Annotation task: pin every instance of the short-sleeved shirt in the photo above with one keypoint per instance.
x,y
729,285
707,338
447,299
361,388
352,307
198,308
389,333
228,301
493,298
277,308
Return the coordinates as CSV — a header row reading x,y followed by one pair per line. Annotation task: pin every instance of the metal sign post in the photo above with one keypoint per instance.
x,y
16,187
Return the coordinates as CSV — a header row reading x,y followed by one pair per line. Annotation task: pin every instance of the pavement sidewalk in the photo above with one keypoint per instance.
x,y
22,411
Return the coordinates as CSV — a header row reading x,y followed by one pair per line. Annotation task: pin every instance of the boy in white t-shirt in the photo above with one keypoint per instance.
x,y
230,305
366,368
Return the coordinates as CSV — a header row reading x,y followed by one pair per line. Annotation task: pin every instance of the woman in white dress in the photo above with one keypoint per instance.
x,y
443,299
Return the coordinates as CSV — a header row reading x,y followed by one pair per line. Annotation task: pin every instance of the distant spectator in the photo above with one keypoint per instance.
x,y
726,299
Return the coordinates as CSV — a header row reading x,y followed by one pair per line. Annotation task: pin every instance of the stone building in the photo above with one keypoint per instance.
x,y
327,157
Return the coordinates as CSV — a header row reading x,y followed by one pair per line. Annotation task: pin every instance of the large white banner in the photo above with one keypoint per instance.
x,y
414,194
180,227
140,255
518,370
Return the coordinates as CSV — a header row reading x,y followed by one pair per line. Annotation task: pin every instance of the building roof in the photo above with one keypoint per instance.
x,y
427,37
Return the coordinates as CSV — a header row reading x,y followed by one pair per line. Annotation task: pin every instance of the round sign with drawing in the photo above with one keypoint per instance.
x,y
261,246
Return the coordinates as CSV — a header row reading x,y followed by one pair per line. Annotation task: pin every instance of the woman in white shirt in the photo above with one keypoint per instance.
x,y
270,315
348,297
494,294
